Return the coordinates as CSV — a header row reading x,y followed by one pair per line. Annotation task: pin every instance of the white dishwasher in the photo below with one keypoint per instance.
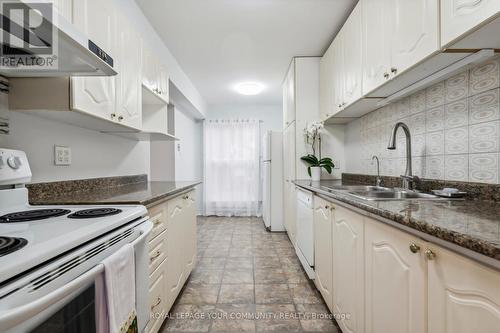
x,y
305,230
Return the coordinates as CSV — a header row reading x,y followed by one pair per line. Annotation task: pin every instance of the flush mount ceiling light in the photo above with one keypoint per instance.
x,y
249,88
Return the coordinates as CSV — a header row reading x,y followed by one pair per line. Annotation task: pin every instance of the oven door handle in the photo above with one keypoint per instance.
x,y
15,316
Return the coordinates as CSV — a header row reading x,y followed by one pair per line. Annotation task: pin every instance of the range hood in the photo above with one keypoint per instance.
x,y
73,54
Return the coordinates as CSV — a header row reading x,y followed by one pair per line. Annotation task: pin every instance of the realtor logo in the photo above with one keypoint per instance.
x,y
28,37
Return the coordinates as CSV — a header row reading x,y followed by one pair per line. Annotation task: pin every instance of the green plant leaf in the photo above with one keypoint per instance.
x,y
310,159
309,171
328,168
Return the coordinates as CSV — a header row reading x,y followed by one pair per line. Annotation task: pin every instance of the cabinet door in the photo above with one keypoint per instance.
x,y
128,92
323,259
190,232
97,20
348,273
464,296
460,16
162,82
415,32
148,68
352,56
289,96
395,281
175,271
326,76
376,43
64,8
338,70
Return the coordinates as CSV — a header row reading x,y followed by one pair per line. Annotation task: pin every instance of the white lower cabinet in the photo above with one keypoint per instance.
x,y
348,269
385,280
395,281
172,253
323,249
463,296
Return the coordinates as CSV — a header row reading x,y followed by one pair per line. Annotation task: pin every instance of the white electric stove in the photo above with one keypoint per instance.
x,y
53,253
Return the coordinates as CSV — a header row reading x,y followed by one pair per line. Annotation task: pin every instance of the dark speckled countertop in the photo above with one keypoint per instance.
x,y
141,193
470,224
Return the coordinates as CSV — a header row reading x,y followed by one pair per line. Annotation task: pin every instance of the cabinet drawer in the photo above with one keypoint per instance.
x,y
157,251
158,217
157,301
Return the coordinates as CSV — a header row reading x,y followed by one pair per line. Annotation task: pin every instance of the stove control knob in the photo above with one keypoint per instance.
x,y
14,162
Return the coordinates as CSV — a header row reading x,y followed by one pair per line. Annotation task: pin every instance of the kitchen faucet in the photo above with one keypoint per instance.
x,y
408,178
379,180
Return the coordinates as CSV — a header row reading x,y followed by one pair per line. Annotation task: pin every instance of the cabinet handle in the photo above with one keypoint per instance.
x,y
414,248
113,115
386,75
430,255
156,255
185,197
120,118
340,105
394,70
156,221
327,207
344,103
158,301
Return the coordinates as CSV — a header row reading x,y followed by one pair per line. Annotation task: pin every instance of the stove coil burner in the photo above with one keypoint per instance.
x,y
11,244
33,215
94,213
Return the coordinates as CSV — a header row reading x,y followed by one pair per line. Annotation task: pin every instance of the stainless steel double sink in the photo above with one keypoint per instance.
x,y
377,193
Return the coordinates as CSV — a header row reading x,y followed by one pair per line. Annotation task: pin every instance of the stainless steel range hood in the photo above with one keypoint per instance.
x,y
73,54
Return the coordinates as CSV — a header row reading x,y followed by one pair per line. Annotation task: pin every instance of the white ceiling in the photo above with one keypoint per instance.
x,y
219,43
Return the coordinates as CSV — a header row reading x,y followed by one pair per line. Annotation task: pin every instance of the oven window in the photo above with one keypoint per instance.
x,y
78,316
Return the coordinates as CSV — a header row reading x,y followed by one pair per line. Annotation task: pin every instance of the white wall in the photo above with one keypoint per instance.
x,y
271,115
189,151
454,126
94,154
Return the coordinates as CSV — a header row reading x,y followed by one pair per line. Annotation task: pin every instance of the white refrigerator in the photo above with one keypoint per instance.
x,y
272,180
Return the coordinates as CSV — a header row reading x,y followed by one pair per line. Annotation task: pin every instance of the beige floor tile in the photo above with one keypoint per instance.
x,y
236,294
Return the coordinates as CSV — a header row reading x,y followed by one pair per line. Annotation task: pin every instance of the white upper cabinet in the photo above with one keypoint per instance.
x,y
149,74
128,92
415,32
461,16
395,281
352,56
154,75
97,19
376,47
64,8
464,296
338,70
289,96
326,76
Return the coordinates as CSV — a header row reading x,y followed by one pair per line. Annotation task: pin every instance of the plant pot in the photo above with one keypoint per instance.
x,y
315,174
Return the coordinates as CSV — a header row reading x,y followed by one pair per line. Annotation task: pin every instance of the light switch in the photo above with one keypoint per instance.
x,y
337,164
62,155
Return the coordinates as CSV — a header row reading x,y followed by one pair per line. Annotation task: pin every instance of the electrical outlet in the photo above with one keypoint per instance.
x,y
62,155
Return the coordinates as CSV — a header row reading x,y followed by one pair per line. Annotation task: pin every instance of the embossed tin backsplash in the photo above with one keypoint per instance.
x,y
455,130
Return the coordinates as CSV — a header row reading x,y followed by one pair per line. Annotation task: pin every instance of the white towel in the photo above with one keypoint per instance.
x,y
119,290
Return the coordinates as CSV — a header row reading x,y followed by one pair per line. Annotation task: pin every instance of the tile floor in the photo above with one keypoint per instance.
x,y
247,280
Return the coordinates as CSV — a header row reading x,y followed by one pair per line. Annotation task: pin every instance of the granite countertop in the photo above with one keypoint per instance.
x,y
141,193
470,224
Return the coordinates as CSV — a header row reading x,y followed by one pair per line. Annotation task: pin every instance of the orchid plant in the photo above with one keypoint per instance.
x,y
312,136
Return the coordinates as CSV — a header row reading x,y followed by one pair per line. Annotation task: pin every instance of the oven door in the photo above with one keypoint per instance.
x,y
66,304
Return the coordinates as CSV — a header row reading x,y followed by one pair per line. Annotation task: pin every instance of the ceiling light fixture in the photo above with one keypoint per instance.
x,y
249,88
